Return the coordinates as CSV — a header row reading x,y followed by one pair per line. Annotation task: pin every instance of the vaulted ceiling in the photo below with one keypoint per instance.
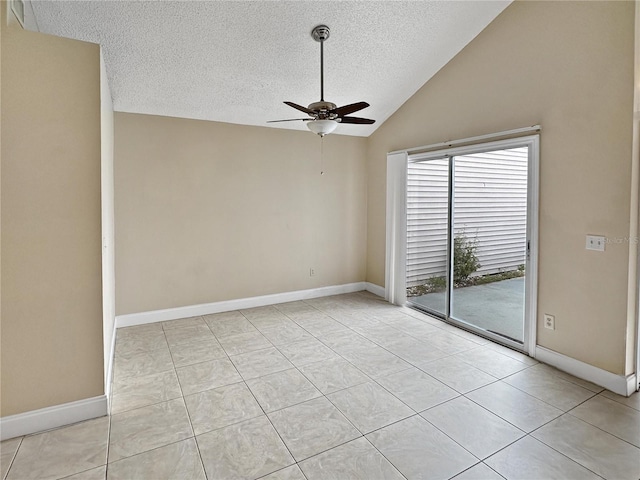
x,y
237,61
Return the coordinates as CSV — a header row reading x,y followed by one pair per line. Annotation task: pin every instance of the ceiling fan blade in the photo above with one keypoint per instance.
x,y
301,108
290,120
358,120
347,109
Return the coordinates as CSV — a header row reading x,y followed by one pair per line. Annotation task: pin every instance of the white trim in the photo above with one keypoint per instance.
x,y
375,289
620,384
109,376
475,140
635,153
396,229
229,305
531,279
52,417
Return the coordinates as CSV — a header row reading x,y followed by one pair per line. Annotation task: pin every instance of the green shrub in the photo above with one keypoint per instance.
x,y
465,261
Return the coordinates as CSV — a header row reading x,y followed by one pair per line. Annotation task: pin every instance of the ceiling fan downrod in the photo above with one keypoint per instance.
x,y
321,33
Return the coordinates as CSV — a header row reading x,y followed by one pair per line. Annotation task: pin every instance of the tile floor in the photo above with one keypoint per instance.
x,y
344,387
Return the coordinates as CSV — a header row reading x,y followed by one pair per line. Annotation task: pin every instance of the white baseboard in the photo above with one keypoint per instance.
x,y
375,289
620,384
142,318
52,417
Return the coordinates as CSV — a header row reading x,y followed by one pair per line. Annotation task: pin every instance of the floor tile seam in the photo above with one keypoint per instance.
x,y
394,422
116,348
299,403
525,366
617,401
456,442
460,336
493,374
182,327
212,388
197,363
299,318
568,379
392,393
419,339
339,356
274,428
558,451
331,448
545,444
492,345
353,440
481,462
557,377
385,457
151,450
496,380
421,417
413,412
325,395
124,335
253,417
251,351
291,405
546,402
245,379
13,457
499,416
603,430
218,337
226,356
488,346
195,317
194,339
147,404
372,341
184,402
116,353
283,468
391,354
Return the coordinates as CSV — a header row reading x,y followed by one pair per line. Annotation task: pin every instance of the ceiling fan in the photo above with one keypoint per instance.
x,y
324,116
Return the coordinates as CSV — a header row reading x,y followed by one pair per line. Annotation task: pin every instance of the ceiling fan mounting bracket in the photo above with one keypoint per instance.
x,y
320,33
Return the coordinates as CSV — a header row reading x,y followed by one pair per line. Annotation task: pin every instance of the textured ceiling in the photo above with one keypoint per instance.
x,y
237,61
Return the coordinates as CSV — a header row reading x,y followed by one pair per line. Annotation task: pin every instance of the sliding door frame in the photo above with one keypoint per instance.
x,y
396,249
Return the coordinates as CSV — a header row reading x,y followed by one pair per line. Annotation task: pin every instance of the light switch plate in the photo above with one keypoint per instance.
x,y
595,242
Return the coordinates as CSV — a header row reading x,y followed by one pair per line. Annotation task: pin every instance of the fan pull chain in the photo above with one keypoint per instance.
x,y
321,155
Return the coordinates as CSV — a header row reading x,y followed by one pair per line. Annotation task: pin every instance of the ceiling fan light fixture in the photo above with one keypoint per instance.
x,y
322,127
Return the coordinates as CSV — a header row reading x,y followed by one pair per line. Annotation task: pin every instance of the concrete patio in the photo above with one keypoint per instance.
x,y
496,307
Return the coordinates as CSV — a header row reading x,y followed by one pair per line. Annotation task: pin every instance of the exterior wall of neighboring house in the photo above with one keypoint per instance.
x,y
490,208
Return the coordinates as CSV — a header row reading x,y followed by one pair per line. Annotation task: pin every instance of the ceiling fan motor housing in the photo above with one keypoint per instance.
x,y
324,110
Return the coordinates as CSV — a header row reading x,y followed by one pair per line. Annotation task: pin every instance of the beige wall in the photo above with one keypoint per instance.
x,y
569,67
51,288
209,211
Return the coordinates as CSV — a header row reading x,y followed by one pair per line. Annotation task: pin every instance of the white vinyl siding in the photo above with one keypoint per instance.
x,y
490,205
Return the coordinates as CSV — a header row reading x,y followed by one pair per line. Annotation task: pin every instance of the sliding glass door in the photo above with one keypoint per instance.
x,y
468,237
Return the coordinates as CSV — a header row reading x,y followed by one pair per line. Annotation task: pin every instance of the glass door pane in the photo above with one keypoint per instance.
x,y
427,228
490,239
